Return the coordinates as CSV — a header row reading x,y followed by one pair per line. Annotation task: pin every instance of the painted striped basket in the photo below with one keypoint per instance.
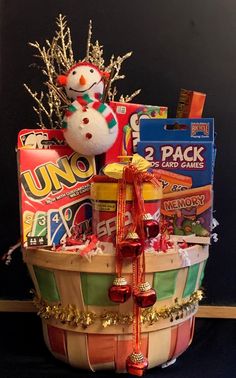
x,y
70,288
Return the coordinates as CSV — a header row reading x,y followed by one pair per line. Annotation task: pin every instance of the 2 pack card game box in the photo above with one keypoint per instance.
x,y
180,145
54,186
183,153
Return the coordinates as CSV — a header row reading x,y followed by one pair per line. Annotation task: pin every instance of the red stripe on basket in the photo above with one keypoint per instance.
x,y
101,349
192,329
57,340
183,337
173,341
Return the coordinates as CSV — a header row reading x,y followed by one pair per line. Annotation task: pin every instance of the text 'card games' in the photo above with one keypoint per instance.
x,y
180,145
54,188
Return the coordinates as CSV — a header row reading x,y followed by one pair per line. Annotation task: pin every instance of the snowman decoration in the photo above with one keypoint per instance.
x,y
90,126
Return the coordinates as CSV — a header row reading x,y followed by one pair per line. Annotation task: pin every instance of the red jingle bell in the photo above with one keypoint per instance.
x,y
131,247
144,295
151,226
120,291
136,364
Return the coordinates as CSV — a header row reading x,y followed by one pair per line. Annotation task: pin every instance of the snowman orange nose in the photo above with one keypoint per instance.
x,y
82,80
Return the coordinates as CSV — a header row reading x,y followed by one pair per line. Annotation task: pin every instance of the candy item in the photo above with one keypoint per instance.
x,y
191,104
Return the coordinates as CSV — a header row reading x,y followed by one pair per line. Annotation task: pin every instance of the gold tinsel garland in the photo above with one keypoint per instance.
x,y
72,316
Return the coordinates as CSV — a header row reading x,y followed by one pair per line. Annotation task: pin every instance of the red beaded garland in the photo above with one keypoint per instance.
x,y
120,291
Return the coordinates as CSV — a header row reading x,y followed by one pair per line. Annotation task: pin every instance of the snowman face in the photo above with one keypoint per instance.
x,y
87,132
84,79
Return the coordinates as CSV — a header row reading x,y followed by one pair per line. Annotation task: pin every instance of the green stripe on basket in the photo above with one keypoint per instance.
x,y
202,273
164,283
47,284
191,280
95,288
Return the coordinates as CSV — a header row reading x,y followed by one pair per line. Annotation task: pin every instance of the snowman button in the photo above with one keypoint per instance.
x,y
85,121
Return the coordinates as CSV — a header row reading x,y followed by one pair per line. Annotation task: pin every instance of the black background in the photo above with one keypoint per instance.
x,y
176,44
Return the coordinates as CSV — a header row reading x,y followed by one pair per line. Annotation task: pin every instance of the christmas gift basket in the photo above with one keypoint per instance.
x,y
115,215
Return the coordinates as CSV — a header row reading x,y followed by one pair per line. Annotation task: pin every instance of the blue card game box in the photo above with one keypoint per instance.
x,y
54,184
180,145
184,147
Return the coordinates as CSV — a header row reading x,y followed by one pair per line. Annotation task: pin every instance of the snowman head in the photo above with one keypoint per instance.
x,y
83,78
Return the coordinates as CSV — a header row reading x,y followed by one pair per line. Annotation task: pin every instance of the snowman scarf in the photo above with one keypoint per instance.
x,y
84,102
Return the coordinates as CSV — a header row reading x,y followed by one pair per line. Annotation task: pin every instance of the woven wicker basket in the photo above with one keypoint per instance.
x,y
67,283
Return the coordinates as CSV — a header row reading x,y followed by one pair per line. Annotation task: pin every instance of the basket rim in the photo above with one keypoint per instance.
x,y
105,263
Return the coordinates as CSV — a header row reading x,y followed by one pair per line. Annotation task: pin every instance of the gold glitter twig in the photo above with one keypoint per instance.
x,y
129,98
89,40
56,58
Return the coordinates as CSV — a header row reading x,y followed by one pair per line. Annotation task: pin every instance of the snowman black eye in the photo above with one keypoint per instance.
x,y
74,72
91,70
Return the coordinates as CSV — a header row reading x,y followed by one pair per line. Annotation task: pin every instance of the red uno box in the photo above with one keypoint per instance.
x,y
129,116
54,184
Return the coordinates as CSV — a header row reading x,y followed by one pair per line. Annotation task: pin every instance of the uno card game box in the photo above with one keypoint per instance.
x,y
180,145
129,116
54,186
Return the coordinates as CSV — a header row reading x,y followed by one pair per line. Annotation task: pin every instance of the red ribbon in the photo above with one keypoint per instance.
x,y
131,175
